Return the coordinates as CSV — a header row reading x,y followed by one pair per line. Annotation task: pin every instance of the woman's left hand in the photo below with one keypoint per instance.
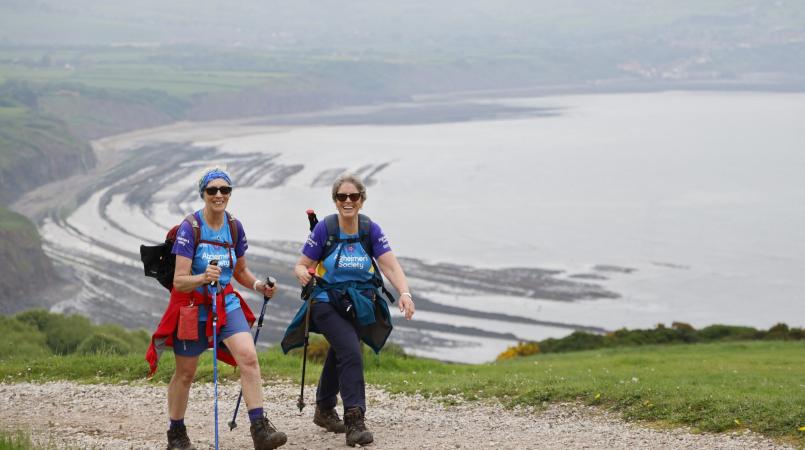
x,y
406,305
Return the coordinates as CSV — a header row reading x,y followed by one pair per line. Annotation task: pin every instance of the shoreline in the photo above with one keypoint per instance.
x,y
110,150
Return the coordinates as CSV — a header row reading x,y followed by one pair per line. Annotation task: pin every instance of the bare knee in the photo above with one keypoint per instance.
x,y
248,361
184,375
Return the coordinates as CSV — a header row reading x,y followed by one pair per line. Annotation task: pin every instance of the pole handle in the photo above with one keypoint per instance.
x,y
270,282
214,262
311,217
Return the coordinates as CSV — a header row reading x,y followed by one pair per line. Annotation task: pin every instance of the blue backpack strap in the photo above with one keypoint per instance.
x,y
333,235
364,230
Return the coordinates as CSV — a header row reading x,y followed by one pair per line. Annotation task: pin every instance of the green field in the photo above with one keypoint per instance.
x,y
127,70
711,387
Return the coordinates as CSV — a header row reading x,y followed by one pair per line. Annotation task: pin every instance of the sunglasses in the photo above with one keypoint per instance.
x,y
225,190
353,197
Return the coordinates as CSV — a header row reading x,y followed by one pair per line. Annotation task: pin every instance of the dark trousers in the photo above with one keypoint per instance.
x,y
343,368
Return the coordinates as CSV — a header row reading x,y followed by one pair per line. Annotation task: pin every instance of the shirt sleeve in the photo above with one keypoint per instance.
x,y
185,244
380,243
242,245
314,246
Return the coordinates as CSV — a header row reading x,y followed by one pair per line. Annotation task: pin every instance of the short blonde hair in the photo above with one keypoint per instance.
x,y
349,178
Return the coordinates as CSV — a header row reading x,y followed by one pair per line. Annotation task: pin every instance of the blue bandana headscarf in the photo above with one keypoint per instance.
x,y
209,176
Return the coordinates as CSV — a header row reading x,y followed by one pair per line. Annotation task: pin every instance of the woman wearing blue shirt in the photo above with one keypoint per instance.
x,y
190,283
350,267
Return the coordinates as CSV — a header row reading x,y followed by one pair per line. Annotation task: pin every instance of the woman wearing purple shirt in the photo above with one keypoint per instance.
x,y
348,262
193,274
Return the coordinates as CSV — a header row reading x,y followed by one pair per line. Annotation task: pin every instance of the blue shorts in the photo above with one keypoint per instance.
x,y
235,323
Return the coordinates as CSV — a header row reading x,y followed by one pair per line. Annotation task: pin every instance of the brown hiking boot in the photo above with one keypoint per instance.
x,y
356,429
178,440
265,436
328,418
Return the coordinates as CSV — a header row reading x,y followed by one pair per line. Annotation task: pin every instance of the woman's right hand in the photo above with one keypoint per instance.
x,y
212,273
302,274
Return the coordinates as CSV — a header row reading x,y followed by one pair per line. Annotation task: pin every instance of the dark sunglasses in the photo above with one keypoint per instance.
x,y
225,190
343,197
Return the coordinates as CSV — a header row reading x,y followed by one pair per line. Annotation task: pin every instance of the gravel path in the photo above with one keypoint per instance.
x,y
133,416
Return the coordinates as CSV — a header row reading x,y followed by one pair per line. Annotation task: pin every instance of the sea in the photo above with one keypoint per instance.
x,y
687,206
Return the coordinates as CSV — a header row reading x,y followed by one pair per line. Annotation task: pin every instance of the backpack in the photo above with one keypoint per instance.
x,y
334,238
158,260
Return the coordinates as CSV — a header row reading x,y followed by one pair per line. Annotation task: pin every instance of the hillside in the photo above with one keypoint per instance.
x,y
35,147
26,269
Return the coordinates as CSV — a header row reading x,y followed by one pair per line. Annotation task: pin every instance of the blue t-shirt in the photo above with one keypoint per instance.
x,y
204,253
354,264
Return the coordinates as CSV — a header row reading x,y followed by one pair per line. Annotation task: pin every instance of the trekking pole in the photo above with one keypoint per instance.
x,y
306,294
308,289
214,289
311,217
270,282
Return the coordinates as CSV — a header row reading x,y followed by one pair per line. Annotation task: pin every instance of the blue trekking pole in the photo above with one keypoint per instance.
x,y
214,289
270,282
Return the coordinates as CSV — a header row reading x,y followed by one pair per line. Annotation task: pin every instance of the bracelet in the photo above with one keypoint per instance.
x,y
408,294
254,286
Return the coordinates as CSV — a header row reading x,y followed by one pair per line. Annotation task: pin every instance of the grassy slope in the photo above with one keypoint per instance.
x,y
25,135
22,256
710,387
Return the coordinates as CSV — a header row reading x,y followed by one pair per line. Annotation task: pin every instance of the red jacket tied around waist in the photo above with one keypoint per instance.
x,y
163,336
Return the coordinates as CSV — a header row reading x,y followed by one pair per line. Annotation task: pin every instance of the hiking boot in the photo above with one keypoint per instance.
x,y
356,429
328,418
265,436
178,440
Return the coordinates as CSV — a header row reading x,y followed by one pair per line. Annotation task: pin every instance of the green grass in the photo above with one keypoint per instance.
x,y
173,72
125,77
709,387
21,440
15,441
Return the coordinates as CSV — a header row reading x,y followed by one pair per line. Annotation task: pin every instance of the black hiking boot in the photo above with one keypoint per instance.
x,y
178,440
356,429
328,418
265,436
